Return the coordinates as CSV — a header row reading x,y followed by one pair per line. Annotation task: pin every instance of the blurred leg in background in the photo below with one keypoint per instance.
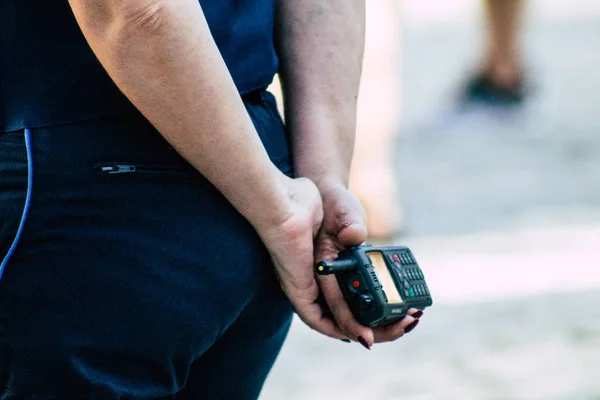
x,y
372,176
500,79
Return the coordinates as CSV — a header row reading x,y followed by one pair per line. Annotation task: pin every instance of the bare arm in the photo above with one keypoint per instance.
x,y
161,54
320,43
321,48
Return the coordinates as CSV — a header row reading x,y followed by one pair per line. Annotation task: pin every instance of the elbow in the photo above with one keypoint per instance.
x,y
145,17
120,31
135,28
108,23
100,17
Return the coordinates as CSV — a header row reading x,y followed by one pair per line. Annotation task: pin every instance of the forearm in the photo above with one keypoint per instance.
x,y
320,44
162,56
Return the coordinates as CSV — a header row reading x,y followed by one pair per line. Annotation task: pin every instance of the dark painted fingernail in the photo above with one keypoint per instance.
x,y
418,314
346,341
363,342
411,326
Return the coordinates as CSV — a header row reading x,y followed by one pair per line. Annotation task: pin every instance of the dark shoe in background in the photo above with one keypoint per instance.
x,y
481,89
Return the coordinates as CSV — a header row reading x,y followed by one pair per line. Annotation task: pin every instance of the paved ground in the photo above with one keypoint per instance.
x,y
503,212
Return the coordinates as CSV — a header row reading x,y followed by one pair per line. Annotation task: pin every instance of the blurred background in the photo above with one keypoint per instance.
x,y
498,196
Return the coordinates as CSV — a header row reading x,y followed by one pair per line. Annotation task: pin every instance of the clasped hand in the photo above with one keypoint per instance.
x,y
320,223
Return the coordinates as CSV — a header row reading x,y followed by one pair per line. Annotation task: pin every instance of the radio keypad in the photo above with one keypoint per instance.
x,y
400,261
416,291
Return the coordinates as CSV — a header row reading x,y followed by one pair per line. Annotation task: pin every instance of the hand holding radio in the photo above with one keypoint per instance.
x,y
344,227
339,237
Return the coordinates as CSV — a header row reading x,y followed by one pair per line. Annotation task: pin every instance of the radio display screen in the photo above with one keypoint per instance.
x,y
384,276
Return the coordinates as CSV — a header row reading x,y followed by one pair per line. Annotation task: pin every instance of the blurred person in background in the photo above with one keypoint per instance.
x,y
500,79
148,198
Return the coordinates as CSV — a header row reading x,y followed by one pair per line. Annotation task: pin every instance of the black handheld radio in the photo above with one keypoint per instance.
x,y
379,283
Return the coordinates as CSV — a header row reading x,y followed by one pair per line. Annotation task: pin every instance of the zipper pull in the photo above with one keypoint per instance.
x,y
118,169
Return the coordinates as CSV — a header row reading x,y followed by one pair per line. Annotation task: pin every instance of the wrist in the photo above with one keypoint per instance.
x,y
270,203
325,177
330,183
296,209
322,149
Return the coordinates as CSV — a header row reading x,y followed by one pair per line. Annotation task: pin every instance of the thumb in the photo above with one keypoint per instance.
x,y
352,234
350,222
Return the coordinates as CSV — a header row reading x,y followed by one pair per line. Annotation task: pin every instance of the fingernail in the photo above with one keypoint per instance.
x,y
411,326
363,342
417,315
345,340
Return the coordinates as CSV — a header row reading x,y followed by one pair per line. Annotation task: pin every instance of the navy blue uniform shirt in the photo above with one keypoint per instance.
x,y
49,75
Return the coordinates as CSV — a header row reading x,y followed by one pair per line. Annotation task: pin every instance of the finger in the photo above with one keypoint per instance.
x,y
304,298
311,313
415,313
395,331
313,316
350,222
324,307
352,234
342,315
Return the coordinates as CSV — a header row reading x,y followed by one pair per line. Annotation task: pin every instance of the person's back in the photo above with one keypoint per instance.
x,y
50,76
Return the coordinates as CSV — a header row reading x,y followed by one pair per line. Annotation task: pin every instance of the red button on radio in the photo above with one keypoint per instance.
x,y
356,284
396,258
